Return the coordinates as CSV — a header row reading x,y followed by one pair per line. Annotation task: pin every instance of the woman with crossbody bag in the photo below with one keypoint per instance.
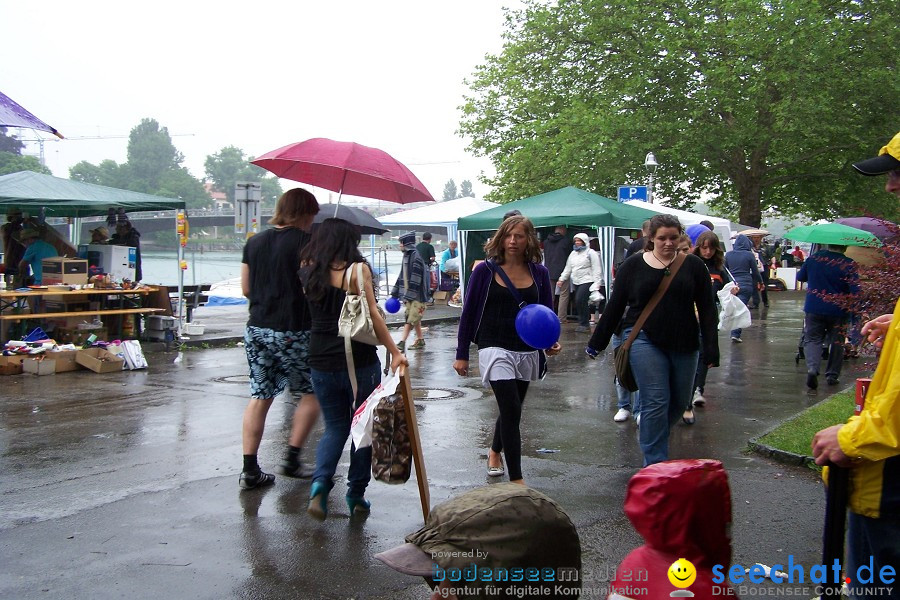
x,y
329,271
506,363
664,352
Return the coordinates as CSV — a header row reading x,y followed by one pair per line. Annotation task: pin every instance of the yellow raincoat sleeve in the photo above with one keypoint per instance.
x,y
875,434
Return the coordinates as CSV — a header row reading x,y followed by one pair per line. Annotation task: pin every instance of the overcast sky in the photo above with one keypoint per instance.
x,y
256,75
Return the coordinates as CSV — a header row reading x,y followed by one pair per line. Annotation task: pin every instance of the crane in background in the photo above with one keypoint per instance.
x,y
40,141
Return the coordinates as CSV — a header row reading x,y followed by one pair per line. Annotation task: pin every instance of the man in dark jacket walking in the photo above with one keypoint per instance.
x,y
827,271
557,247
411,287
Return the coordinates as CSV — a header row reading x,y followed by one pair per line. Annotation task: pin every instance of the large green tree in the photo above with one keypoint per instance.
x,y
230,165
153,167
465,189
450,191
756,104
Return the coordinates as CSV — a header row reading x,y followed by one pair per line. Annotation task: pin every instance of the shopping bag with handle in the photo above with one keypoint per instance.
x,y
361,425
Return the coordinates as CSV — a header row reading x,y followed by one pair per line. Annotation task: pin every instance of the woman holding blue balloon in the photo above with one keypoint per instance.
x,y
508,313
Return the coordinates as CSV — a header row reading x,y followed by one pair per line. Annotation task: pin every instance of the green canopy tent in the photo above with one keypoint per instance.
x,y
567,206
66,198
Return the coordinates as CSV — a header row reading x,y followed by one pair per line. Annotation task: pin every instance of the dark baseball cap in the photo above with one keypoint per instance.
x,y
499,526
888,159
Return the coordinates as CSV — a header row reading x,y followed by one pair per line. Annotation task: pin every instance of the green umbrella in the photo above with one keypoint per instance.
x,y
832,233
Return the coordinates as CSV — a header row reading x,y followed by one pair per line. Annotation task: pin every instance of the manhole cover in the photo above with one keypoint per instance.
x,y
437,393
241,379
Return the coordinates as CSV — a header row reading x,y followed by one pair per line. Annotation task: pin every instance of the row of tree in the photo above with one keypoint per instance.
x,y
154,166
756,104
451,193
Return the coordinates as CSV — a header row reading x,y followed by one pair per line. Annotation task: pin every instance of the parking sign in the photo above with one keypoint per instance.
x,y
632,192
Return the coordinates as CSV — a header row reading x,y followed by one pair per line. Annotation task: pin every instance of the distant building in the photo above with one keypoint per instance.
x,y
220,200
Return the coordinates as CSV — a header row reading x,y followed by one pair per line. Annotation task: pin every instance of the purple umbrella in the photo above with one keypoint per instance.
x,y
13,115
880,228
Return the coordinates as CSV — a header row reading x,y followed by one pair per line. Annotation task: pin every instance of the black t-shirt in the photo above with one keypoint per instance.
x,y
276,296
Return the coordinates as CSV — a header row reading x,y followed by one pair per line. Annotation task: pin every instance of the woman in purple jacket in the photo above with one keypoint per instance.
x,y
507,364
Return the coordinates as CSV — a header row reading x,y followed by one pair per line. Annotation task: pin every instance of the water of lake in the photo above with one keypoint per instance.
x,y
161,268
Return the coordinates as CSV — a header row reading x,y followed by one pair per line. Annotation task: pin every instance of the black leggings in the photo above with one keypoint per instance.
x,y
510,395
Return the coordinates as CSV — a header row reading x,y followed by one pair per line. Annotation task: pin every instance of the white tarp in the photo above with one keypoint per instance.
x,y
440,214
722,226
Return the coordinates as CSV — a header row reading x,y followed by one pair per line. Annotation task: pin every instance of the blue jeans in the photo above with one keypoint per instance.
x,y
875,540
335,396
744,295
630,401
666,381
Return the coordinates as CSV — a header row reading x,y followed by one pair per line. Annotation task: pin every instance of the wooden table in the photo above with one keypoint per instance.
x,y
12,302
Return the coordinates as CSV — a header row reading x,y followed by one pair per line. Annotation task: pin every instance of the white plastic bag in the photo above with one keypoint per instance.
x,y
734,313
361,425
134,355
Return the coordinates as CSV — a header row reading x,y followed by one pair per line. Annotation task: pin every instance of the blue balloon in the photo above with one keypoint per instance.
x,y
538,326
392,305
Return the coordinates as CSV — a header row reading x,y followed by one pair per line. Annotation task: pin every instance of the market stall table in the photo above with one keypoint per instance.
x,y
13,304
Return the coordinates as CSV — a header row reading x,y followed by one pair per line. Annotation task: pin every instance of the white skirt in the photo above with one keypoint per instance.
x,y
497,364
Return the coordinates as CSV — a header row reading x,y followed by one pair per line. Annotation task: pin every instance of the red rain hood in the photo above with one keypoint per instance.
x,y
682,508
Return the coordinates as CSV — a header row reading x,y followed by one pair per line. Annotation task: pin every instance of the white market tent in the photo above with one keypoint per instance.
x,y
723,227
440,214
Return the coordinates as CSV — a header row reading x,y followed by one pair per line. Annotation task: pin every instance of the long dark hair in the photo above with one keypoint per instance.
x,y
334,242
712,240
494,248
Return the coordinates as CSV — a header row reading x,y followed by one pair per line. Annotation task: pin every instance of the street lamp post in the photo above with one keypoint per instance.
x,y
651,164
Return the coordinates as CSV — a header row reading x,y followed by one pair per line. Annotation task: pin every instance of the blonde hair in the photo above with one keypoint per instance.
x,y
494,250
293,206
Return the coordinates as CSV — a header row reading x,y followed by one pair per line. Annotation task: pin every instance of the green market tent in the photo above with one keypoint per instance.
x,y
567,206
66,198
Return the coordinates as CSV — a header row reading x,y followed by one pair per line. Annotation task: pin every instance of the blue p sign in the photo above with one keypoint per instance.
x,y
632,192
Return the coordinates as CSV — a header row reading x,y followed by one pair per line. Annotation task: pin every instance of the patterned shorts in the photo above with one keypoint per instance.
x,y
278,360
415,310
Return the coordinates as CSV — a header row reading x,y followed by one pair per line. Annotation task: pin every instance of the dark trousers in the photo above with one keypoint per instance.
x,y
582,299
819,330
510,394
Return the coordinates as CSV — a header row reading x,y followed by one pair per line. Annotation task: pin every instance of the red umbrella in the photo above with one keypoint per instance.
x,y
346,168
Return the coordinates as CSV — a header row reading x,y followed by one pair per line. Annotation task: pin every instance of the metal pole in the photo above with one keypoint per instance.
x,y
650,189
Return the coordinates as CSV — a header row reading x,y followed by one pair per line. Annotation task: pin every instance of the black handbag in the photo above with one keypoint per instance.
x,y
621,354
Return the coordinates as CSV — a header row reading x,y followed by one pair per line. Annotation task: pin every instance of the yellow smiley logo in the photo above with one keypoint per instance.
x,y
682,573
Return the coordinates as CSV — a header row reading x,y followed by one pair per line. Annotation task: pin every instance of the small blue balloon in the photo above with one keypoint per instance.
x,y
392,305
538,326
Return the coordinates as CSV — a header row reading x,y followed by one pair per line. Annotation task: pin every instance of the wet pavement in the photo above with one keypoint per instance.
x,y
124,485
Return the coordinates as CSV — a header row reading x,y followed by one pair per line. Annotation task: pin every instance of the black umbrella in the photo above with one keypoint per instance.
x,y
367,223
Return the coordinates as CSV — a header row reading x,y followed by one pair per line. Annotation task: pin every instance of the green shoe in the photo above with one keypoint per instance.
x,y
318,501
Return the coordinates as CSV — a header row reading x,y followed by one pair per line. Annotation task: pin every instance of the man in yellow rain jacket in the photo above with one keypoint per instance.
x,y
870,442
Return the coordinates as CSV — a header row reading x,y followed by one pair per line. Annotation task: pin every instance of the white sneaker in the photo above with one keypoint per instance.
x,y
698,400
637,419
622,415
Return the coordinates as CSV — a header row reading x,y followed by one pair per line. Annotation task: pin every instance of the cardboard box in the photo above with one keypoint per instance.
x,y
12,365
65,360
37,366
64,335
64,271
99,360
